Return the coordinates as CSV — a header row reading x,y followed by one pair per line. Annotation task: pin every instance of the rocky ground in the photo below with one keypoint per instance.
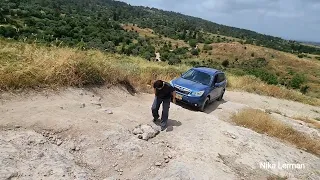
x,y
105,133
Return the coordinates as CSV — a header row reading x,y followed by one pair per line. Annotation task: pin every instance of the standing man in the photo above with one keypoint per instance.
x,y
163,93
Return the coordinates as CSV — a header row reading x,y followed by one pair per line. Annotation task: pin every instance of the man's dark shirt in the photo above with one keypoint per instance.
x,y
165,92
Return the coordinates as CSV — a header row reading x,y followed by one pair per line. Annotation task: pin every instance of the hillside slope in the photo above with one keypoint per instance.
x,y
96,22
86,134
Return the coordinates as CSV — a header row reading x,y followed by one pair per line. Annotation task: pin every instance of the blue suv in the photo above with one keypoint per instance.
x,y
200,86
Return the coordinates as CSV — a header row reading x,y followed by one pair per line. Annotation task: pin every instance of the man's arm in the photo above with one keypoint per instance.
x,y
174,96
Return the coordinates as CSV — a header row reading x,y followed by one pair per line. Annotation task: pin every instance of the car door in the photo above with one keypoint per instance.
x,y
220,83
214,93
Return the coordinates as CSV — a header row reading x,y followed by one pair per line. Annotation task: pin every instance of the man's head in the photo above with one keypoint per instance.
x,y
158,84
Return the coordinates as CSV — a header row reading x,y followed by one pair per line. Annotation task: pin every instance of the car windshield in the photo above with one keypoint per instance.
x,y
197,76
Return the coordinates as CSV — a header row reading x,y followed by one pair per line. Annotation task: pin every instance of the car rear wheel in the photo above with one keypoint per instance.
x,y
204,105
221,96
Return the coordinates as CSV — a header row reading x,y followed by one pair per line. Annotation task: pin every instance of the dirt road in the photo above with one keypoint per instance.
x,y
86,134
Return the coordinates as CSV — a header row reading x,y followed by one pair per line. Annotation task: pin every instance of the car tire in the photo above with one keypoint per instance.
x,y
204,105
221,96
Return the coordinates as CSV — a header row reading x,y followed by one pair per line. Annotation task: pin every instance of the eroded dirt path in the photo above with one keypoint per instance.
x,y
86,134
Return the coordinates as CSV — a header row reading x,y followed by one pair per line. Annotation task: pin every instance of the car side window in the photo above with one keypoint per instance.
x,y
220,77
215,80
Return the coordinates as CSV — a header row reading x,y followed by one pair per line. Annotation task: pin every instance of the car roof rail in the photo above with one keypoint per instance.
x,y
200,66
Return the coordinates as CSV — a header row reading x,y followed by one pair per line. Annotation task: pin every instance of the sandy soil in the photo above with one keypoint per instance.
x,y
87,134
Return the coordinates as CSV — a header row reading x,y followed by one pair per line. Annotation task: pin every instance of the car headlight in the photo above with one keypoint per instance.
x,y
197,93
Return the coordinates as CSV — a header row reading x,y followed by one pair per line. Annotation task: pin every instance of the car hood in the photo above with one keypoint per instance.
x,y
194,86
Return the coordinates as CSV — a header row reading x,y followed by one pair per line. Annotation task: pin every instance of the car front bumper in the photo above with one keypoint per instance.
x,y
191,100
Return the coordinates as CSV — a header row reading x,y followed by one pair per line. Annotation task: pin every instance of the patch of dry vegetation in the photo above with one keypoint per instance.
x,y
254,85
263,123
308,120
33,66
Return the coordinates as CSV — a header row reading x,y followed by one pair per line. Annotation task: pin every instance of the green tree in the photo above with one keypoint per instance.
x,y
193,43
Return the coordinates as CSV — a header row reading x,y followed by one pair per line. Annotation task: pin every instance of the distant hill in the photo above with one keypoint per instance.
x,y
96,23
311,43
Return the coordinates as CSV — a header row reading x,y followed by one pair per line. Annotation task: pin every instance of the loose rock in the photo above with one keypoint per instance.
x,y
59,142
83,105
158,164
109,111
137,131
166,161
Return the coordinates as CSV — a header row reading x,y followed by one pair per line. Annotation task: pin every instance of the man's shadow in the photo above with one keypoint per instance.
x,y
170,124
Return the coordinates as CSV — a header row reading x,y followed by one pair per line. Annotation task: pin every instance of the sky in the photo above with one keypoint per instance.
x,y
289,19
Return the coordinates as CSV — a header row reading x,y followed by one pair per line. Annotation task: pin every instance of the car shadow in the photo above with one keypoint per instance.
x,y
170,124
209,109
213,106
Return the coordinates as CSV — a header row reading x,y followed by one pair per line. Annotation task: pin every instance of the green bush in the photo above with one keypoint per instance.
x,y
264,75
297,81
181,50
207,47
195,52
193,42
304,89
174,60
208,41
300,56
225,63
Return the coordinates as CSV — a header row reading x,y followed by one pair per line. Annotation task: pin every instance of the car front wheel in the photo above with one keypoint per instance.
x,y
204,105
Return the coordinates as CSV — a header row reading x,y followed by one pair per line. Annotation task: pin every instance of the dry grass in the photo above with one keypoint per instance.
x,y
261,122
255,85
308,120
276,177
32,66
143,32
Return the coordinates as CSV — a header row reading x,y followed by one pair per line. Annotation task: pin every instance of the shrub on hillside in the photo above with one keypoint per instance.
x,y
193,42
208,41
174,60
195,52
264,76
181,50
304,89
207,47
300,56
297,81
225,63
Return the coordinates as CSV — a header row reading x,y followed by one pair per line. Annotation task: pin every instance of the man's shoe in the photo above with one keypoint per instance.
x,y
155,119
163,128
